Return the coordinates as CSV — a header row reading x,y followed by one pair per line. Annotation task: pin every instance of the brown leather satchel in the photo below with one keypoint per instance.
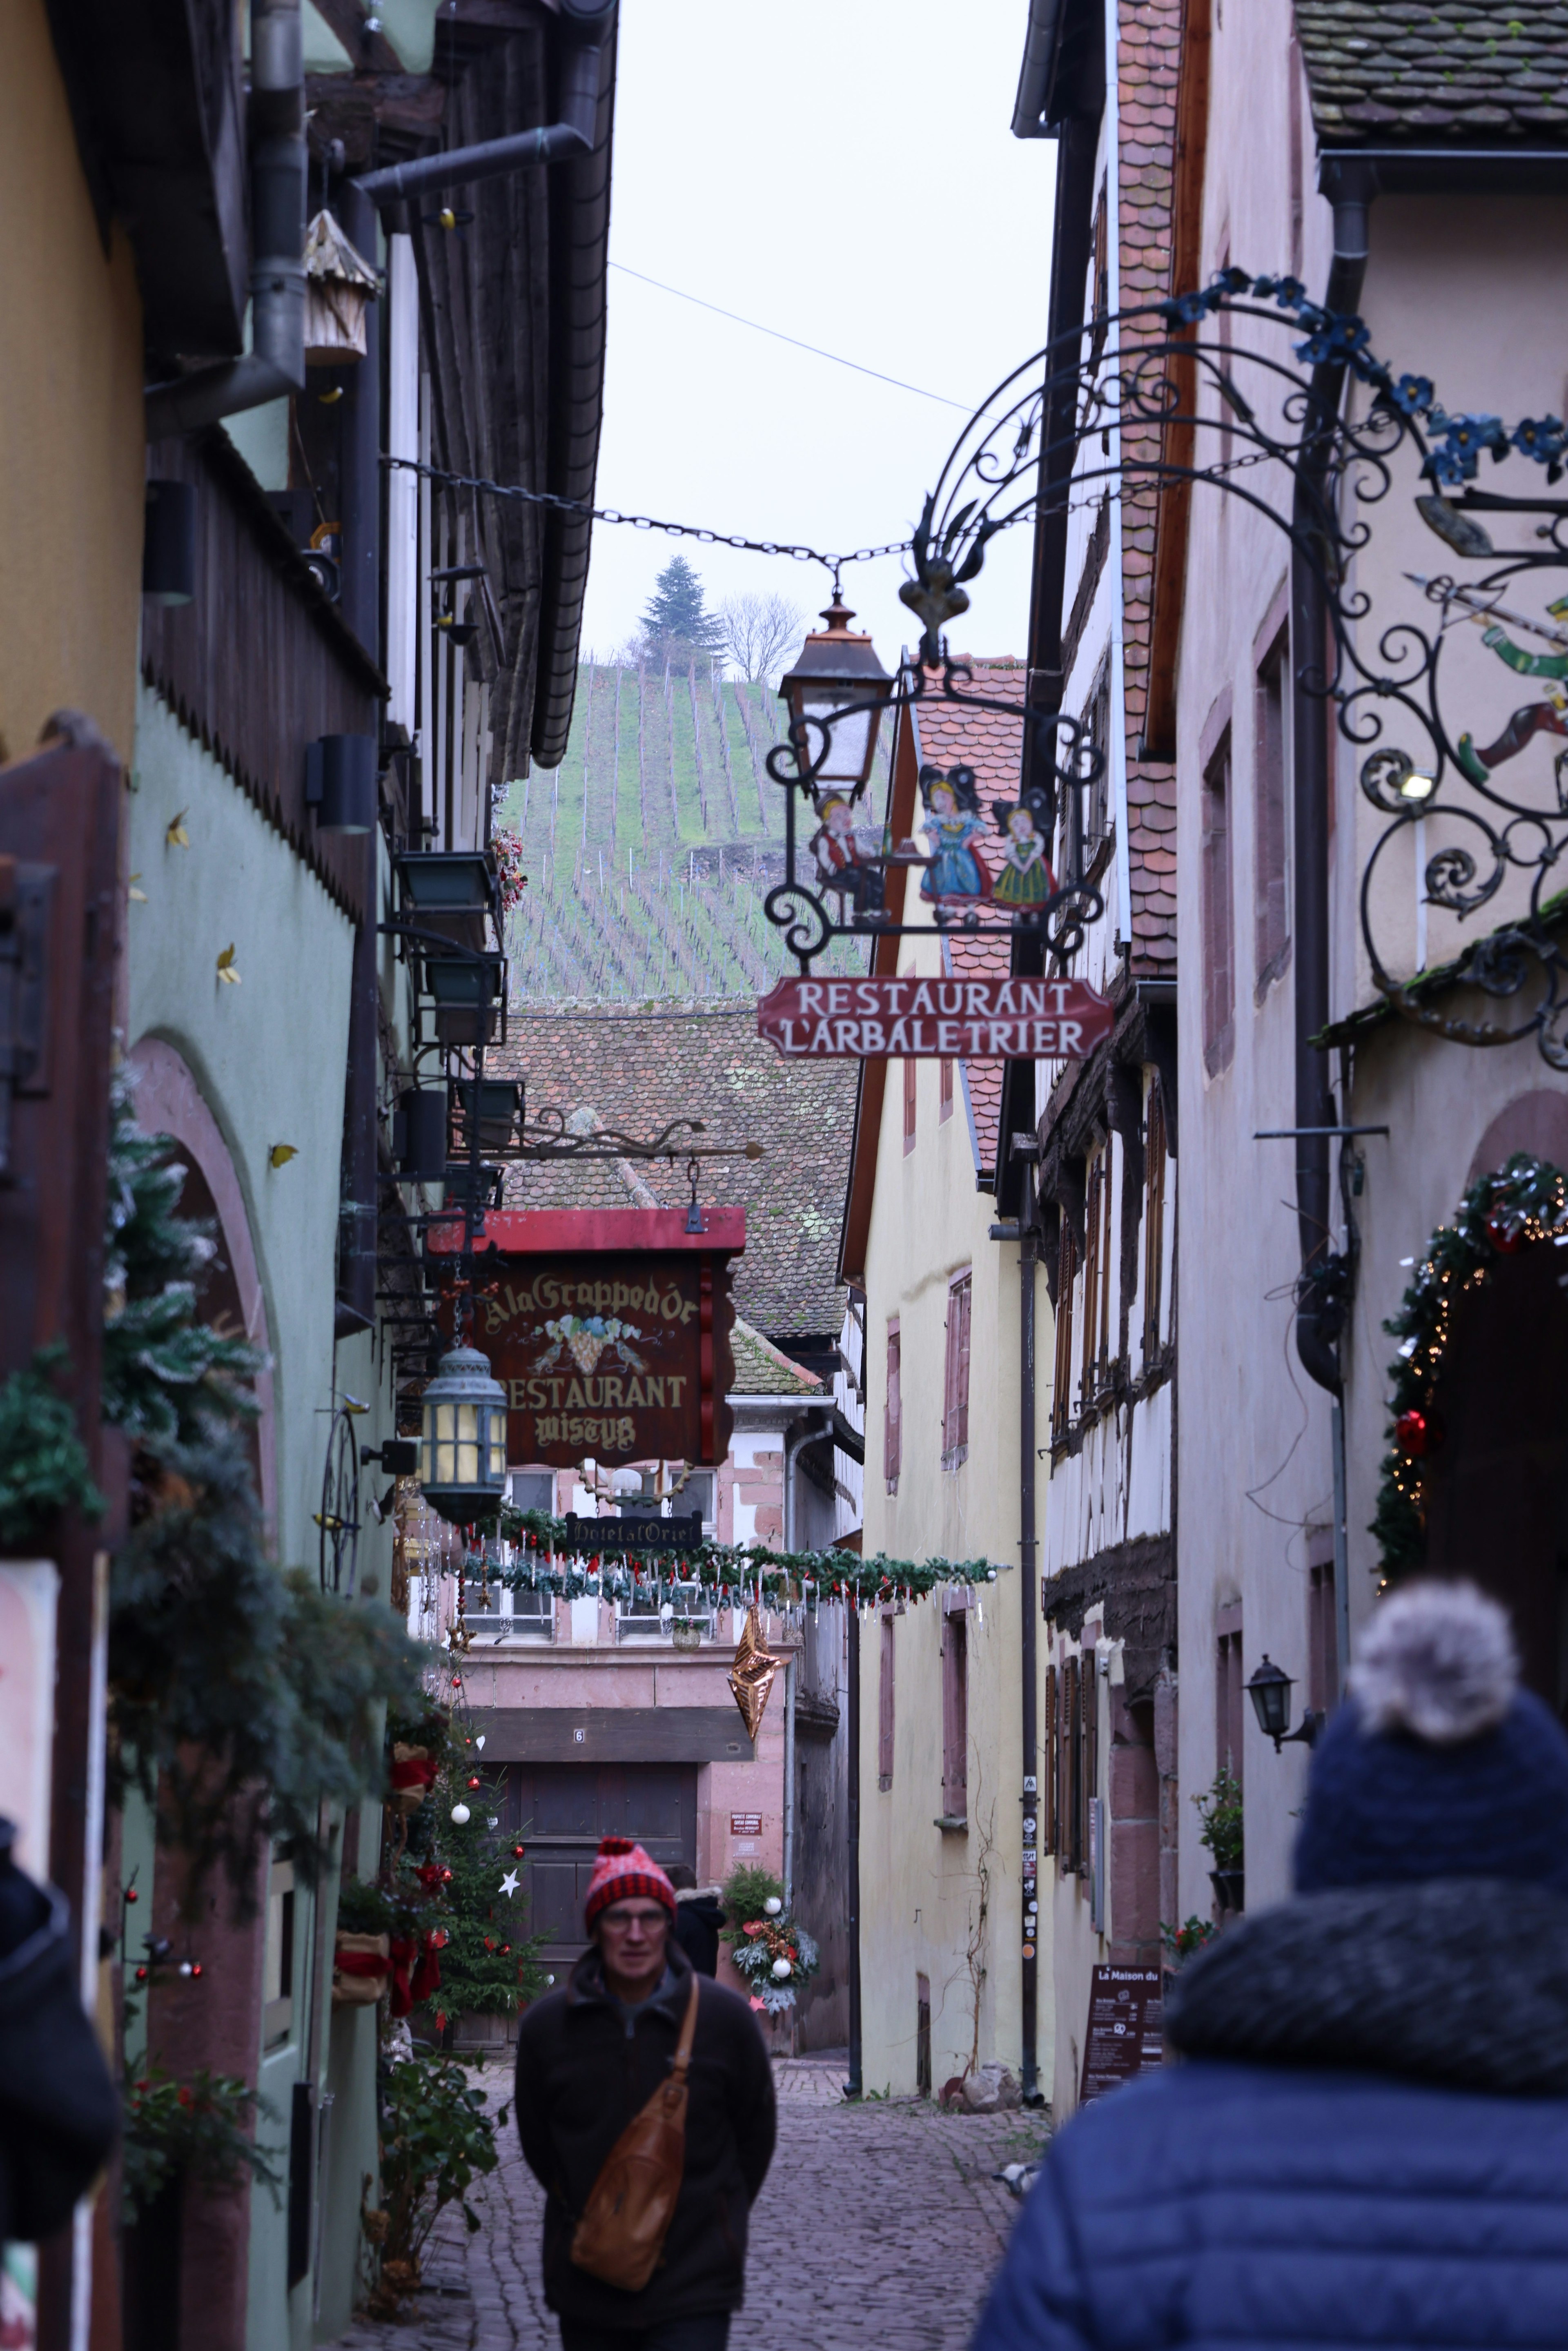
x,y
631,2203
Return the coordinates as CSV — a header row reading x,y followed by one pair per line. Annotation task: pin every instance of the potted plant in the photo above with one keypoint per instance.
x,y
1219,1809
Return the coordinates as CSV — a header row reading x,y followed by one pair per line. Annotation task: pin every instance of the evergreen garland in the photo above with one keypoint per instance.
x,y
723,1572
42,1461
1523,1203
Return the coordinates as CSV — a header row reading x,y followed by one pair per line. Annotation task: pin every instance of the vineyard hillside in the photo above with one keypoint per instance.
x,y
651,849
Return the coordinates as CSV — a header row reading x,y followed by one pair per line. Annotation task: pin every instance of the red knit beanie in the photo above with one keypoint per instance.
x,y
622,1872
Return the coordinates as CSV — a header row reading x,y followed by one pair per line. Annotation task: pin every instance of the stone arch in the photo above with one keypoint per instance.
x,y
168,1101
1536,1121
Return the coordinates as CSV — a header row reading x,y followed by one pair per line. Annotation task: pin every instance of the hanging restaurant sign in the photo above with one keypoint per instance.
x,y
916,1020
609,1330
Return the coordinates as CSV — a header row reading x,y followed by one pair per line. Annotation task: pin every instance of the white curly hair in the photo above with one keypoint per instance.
x,y
1437,1659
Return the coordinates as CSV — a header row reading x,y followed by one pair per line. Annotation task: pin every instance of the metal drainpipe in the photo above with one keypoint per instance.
x,y
586,28
853,2087
275,364
1027,1646
789,1674
1319,1314
1323,1296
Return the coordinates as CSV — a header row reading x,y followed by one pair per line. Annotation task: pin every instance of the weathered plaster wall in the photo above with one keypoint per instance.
x,y
70,412
1253,1464
923,1889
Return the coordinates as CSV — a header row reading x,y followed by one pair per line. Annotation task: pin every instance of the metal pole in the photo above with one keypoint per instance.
x,y
853,2087
1029,1597
789,1674
1341,1545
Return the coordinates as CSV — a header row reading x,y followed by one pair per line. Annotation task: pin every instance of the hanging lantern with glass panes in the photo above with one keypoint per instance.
x,y
462,1446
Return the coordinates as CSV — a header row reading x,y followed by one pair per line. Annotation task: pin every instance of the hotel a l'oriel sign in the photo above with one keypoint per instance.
x,y
914,1019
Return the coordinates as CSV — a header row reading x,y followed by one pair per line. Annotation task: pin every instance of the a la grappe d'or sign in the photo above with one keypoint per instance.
x,y
920,1020
609,1330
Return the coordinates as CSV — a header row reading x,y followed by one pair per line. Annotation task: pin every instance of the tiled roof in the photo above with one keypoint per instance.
x,y
992,744
1436,72
636,1070
761,1370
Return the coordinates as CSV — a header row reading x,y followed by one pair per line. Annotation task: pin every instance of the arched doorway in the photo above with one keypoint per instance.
x,y
168,1101
1496,1487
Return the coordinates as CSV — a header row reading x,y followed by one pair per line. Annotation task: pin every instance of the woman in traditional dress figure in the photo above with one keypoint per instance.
x,y
1025,879
953,825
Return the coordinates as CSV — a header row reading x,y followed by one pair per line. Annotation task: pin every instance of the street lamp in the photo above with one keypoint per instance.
x,y
1269,1692
462,1446
838,666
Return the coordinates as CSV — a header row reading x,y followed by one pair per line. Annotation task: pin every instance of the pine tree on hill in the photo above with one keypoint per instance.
x,y
677,627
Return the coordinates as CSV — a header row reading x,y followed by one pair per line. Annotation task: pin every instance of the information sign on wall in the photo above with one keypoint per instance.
x,y
610,1332
1125,2036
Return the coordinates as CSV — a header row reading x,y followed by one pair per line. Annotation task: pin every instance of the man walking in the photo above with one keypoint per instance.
x,y
588,2059
1368,2141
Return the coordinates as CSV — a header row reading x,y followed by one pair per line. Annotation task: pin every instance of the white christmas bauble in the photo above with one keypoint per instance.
x,y
772,1906
781,1970
460,1813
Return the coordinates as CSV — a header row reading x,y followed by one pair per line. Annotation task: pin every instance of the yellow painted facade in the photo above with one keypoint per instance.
x,y
944,1905
72,456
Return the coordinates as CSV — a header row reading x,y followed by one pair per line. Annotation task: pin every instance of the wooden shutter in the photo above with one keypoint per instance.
x,y
1154,1220
1072,1763
962,1296
1092,1278
909,1067
1088,1780
944,1097
1062,1375
893,1412
1048,1765
956,1714
885,1708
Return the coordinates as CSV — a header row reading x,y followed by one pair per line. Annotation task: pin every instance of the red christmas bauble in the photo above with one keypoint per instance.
x,y
1416,1433
473,1783
1505,1231
518,1850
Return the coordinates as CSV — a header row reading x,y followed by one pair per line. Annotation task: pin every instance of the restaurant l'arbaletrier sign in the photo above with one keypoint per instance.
x,y
609,1330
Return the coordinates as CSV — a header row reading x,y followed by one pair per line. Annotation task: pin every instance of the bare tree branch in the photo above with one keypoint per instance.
x,y
759,632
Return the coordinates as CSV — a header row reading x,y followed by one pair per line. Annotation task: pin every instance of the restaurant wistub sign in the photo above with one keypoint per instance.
x,y
914,1019
609,1330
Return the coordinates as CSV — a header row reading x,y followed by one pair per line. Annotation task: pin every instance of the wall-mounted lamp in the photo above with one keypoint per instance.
x,y
1269,1692
169,543
341,782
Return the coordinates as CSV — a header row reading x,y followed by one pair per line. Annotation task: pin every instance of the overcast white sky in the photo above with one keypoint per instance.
x,y
842,170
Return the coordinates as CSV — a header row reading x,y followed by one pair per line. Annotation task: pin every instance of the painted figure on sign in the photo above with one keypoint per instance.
x,y
1547,718
1026,878
953,825
837,858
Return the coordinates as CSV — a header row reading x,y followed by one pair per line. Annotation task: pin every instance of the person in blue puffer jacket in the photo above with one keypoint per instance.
x,y
1366,2140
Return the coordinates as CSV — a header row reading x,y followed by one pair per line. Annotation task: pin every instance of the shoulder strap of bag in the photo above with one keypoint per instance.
x,y
689,2033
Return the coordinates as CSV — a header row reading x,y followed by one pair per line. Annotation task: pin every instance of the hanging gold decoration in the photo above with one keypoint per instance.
x,y
751,1675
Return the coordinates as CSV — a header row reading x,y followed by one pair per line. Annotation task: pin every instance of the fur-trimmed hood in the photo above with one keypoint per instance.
x,y
1455,1980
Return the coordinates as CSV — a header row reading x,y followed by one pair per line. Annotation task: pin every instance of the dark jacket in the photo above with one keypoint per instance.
x,y
581,2076
698,1918
59,2113
1368,2144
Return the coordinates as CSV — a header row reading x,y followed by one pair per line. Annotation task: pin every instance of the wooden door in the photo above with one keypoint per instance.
x,y
558,1812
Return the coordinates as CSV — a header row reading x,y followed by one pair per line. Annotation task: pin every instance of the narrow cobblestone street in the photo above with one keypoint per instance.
x,y
879,2222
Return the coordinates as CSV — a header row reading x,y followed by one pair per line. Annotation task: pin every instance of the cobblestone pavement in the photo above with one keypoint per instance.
x,y
879,2223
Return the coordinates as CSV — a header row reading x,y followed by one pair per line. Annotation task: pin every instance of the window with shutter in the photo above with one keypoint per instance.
x,y
1062,1371
1092,1265
1229,1696
1154,1220
909,1069
885,1708
1088,1775
1047,1838
1219,917
1071,1766
1271,903
956,1383
955,1714
893,1414
945,1096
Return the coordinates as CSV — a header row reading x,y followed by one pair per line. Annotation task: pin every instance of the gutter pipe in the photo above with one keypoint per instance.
x,y
275,364
1036,72
550,142
1322,1291
853,2085
1028,1648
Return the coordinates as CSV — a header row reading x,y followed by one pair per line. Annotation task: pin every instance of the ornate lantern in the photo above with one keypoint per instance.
x,y
1269,1692
837,666
462,1448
